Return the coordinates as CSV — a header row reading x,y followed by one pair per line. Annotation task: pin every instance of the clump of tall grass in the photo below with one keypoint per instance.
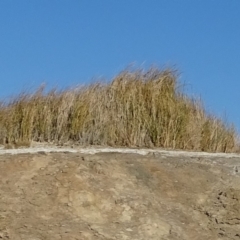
x,y
137,108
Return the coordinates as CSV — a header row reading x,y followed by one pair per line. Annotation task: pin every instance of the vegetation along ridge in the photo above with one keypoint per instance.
x,y
136,109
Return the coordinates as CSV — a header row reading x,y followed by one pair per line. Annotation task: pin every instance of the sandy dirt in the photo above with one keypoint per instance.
x,y
75,195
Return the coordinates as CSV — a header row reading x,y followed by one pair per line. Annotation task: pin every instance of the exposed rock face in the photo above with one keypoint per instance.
x,y
118,196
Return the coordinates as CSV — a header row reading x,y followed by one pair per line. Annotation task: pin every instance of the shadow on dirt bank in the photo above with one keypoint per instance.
x,y
46,196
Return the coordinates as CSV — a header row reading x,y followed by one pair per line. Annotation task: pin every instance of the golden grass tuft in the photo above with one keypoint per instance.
x,y
137,108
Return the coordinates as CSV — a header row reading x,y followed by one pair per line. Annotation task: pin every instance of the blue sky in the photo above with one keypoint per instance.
x,y
69,42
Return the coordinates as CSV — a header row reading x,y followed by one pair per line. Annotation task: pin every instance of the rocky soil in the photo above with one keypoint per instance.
x,y
77,196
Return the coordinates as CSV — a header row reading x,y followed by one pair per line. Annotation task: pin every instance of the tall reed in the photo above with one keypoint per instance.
x,y
137,108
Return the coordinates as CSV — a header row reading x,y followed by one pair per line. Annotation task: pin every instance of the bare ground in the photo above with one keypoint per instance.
x,y
77,196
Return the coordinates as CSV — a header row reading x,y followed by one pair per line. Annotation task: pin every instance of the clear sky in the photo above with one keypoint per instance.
x,y
69,42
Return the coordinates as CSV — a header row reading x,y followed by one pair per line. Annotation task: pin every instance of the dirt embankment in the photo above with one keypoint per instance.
x,y
76,196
